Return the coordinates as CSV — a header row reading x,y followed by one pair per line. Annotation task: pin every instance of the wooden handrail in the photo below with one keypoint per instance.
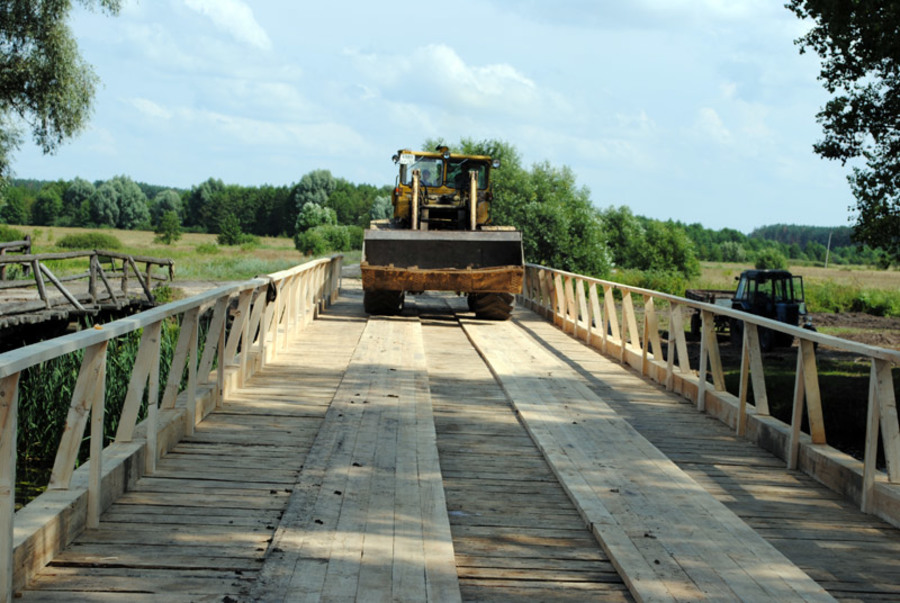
x,y
95,272
256,326
574,302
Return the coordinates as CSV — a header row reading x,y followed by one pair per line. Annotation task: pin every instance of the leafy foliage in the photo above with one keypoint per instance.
x,y
313,214
860,51
168,229
770,258
10,234
90,240
44,82
560,226
230,232
644,244
166,201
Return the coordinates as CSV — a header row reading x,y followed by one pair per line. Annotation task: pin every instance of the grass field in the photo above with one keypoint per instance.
x,y
197,256
718,275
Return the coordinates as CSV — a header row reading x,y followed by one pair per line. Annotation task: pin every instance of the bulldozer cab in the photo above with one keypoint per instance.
x,y
439,190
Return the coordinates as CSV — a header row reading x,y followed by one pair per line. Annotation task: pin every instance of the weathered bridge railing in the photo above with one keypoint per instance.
x,y
95,275
588,309
267,311
23,246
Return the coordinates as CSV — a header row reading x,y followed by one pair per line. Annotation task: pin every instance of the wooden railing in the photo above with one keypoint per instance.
x,y
23,246
267,312
95,275
602,313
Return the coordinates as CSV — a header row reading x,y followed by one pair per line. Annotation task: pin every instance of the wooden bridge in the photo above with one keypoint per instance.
x,y
317,454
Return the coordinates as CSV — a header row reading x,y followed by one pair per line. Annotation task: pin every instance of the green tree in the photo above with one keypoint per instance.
x,y
314,187
382,208
47,207
201,210
75,207
44,82
104,205
133,211
230,232
771,258
165,201
560,226
860,51
14,211
168,228
312,215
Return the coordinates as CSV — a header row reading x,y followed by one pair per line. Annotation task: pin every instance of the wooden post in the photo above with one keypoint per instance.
x,y
148,350
882,418
559,307
570,313
597,321
89,386
707,332
39,279
870,458
220,368
611,320
98,410
92,280
153,409
741,426
793,454
9,399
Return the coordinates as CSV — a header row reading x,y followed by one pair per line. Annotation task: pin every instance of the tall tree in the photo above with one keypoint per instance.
x,y
44,82
859,45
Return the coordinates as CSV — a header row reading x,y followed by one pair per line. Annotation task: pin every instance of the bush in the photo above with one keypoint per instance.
x,y
312,242
90,240
356,236
771,259
672,282
325,239
10,234
207,248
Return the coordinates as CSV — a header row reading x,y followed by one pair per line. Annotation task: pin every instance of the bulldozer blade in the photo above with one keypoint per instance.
x,y
465,261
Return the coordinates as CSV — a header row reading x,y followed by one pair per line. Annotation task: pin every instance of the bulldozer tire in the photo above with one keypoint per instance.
x,y
383,302
491,306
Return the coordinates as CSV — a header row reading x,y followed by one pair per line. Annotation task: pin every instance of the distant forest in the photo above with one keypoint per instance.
x,y
274,211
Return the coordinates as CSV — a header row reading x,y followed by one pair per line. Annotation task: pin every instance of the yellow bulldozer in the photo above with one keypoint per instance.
x,y
441,238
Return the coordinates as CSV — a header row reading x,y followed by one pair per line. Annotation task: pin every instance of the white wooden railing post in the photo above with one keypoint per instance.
x,y
98,410
9,398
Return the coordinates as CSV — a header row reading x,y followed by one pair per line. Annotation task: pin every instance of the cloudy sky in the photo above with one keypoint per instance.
x,y
695,110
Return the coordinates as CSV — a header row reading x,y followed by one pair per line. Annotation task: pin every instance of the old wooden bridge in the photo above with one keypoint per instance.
x,y
313,453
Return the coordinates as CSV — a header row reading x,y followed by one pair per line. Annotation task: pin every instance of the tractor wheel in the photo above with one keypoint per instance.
x,y
491,306
383,301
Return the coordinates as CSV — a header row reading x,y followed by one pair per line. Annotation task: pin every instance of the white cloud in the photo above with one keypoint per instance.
x,y
149,108
436,74
709,125
235,18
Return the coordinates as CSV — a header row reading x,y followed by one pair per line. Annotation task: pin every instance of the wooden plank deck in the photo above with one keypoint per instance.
x,y
669,538
265,501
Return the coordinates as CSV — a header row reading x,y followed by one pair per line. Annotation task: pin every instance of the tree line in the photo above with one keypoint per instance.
x,y
561,225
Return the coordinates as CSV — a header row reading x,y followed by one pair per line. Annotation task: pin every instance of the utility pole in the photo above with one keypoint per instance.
x,y
828,249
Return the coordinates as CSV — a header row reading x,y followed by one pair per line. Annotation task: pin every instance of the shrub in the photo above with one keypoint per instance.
x,y
312,242
770,259
229,231
90,240
10,234
207,248
356,236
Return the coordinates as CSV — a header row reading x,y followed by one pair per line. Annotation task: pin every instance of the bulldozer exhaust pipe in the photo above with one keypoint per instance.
x,y
473,199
